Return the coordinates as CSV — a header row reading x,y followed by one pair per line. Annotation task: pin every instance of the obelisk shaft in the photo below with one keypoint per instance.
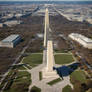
x,y
50,56
46,27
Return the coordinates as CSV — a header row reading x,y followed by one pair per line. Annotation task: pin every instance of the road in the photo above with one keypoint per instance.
x,y
62,14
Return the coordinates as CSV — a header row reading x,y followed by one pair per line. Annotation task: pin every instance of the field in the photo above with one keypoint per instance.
x,y
78,76
63,59
33,59
20,83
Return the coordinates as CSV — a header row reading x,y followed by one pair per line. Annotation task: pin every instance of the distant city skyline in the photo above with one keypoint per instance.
x,y
45,0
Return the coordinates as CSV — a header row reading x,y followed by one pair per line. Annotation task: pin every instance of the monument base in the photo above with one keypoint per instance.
x,y
47,74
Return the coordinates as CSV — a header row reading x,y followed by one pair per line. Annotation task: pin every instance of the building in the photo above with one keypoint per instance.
x,y
12,23
11,41
1,25
8,16
39,35
18,15
84,41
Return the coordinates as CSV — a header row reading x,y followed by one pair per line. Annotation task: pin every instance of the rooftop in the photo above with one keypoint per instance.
x,y
88,40
10,38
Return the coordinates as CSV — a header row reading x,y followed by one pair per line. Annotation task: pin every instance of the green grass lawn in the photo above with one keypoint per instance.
x,y
67,89
54,81
35,89
21,83
63,59
23,76
78,75
33,59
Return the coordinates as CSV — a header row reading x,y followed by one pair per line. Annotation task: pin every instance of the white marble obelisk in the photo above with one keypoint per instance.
x,y
46,29
50,56
48,71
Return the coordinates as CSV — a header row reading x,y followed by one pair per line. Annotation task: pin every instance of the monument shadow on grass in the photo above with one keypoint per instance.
x,y
66,70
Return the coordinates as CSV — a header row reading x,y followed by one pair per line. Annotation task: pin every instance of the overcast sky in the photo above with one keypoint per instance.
x,y
45,0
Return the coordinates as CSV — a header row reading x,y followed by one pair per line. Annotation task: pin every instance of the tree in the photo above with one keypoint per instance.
x,y
78,87
89,83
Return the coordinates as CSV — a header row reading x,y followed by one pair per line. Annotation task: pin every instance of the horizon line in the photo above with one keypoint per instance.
x,y
45,0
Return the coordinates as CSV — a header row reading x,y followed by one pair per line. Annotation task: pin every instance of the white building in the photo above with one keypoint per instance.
x,y
11,41
12,23
18,15
86,42
1,25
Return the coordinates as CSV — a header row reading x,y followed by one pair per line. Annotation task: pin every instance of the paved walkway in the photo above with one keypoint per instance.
x,y
43,83
62,53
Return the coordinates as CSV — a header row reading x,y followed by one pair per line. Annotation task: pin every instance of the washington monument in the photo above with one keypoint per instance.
x,y
48,45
